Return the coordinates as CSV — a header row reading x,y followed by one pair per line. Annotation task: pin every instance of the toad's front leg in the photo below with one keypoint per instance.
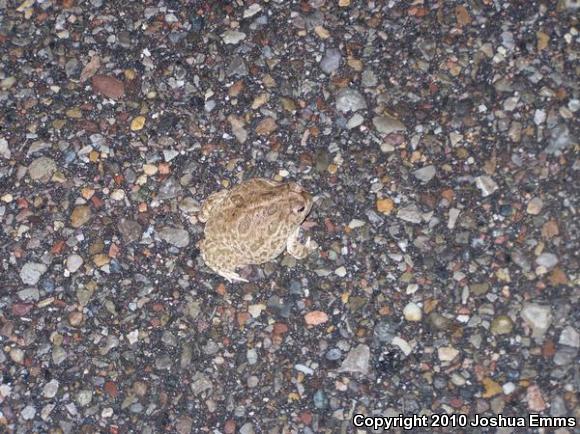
x,y
296,248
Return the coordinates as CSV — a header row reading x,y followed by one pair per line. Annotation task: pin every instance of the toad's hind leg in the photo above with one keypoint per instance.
x,y
296,248
216,263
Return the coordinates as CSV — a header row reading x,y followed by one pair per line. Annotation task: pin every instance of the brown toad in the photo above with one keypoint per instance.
x,y
253,223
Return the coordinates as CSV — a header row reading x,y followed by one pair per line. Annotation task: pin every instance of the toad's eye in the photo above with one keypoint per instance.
x,y
301,209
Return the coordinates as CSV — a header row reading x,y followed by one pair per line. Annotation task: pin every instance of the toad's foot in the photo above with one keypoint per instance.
x,y
296,248
231,276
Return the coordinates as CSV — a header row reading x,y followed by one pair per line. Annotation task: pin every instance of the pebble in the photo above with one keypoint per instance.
x,y
84,397
31,272
501,325
315,318
137,123
410,213
570,337
252,10
535,206
425,174
486,184
548,260
385,206
348,100
108,86
74,262
42,169
4,149
388,125
412,312
50,389
538,317
357,360
28,412
178,237
81,214
233,37
447,354
17,355
330,62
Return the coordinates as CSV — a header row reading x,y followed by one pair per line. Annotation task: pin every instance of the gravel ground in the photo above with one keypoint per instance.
x,y
438,138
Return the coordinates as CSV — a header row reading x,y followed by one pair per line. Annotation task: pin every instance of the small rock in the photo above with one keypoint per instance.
x,y
138,123
385,206
330,62
108,86
502,325
491,387
130,230
486,184
315,318
42,169
266,126
74,262
28,412
355,121
570,337
535,399
535,206
548,260
425,174
453,215
75,318
538,317
80,215
84,397
252,10
447,354
247,428
350,100
410,213
31,272
412,312
233,37
50,389
388,124
17,355
357,360
4,150
179,237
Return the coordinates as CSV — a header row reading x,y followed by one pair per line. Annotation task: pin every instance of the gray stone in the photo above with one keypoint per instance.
x,y
74,262
570,337
130,230
42,169
200,383
538,317
368,78
560,139
425,174
4,150
330,62
50,389
84,397
31,272
237,66
388,124
28,412
410,213
486,184
233,37
179,237
548,260
350,100
357,360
